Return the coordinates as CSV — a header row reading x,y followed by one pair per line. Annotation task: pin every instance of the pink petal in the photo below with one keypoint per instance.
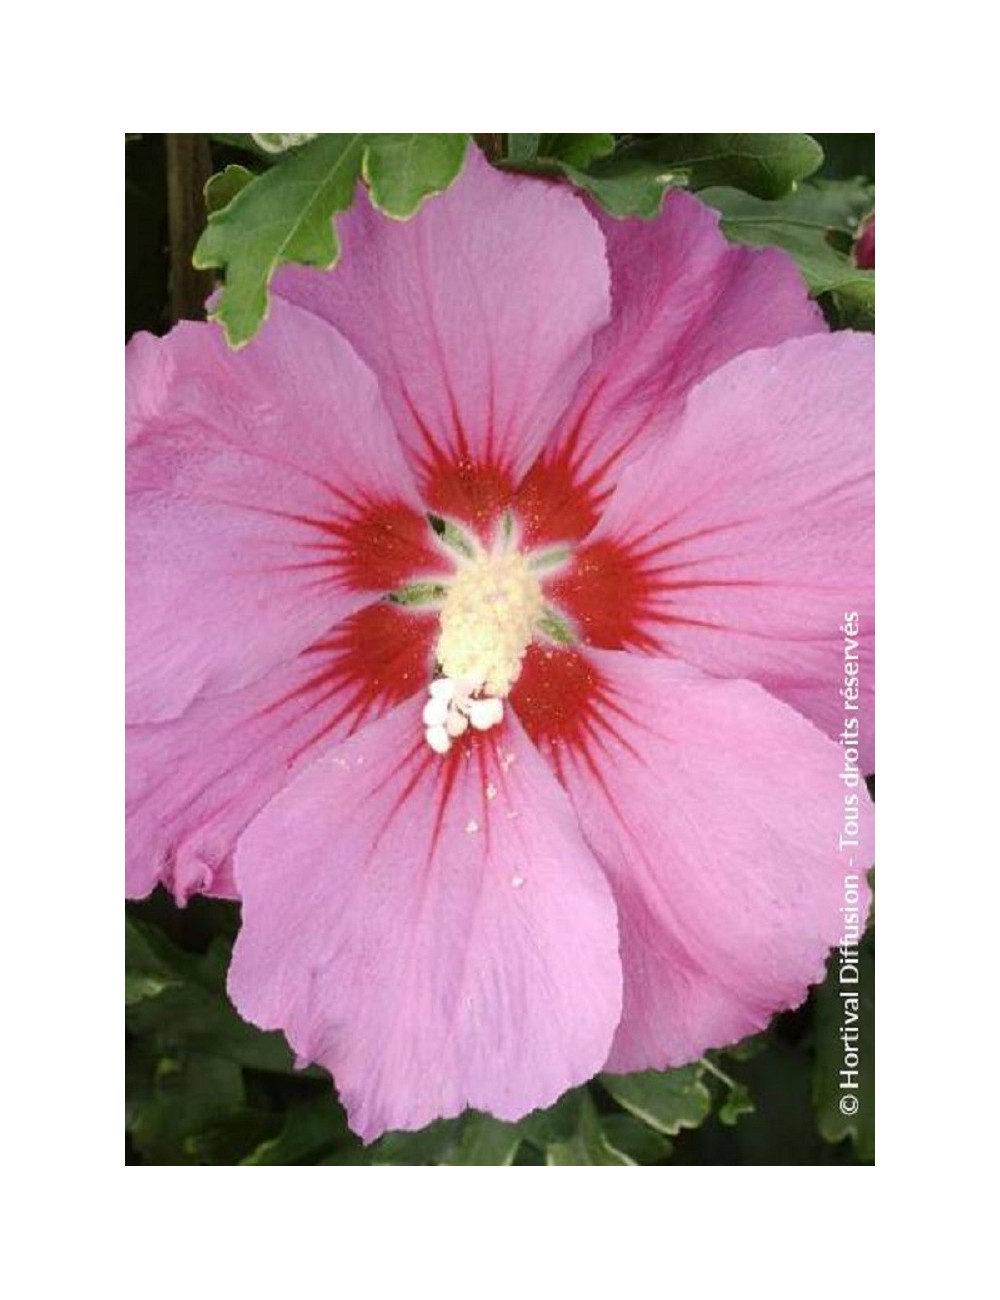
x,y
685,301
741,544
477,316
194,783
718,814
434,931
267,497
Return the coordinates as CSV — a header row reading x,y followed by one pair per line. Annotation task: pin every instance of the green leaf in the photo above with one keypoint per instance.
x,y
556,1123
782,1128
635,1139
485,1141
223,187
282,216
192,1096
310,1129
633,180
403,170
577,150
227,1140
588,1145
845,1008
522,148
275,143
626,185
146,973
809,224
285,214
852,306
667,1101
351,1153
194,1014
765,165
430,1146
739,1102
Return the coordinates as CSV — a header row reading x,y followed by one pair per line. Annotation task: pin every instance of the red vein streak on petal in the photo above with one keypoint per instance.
x,y
562,703
456,483
375,659
607,592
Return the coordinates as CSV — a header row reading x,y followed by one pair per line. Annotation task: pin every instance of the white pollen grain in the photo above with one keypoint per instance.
x,y
472,827
435,712
491,792
517,882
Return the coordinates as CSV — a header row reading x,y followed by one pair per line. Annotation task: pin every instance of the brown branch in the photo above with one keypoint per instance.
x,y
189,165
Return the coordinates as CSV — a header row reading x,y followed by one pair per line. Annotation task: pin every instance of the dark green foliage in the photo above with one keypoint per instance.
x,y
204,1087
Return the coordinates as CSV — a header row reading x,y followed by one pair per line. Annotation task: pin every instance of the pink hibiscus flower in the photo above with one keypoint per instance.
x,y
485,641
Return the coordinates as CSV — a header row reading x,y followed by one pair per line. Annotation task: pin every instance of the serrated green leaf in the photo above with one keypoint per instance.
x,y
403,170
284,215
667,1101
737,1103
765,165
275,143
223,187
843,1008
807,225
